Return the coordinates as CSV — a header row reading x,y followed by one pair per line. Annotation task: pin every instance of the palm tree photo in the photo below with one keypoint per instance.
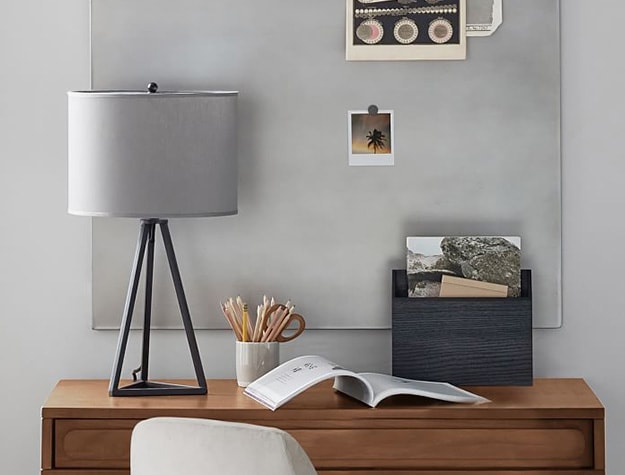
x,y
376,140
371,133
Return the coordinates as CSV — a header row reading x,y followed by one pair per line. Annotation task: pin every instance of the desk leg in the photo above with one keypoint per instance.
x,y
599,436
47,442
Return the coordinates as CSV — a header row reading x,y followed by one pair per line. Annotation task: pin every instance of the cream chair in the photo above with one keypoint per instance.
x,y
186,446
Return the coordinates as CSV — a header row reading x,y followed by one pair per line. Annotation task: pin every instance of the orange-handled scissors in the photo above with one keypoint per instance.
x,y
276,320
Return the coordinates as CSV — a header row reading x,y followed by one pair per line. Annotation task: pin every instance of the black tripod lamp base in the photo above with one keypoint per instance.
x,y
155,388
143,386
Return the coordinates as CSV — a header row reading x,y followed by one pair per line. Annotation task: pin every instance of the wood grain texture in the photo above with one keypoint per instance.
x,y
47,442
599,440
86,472
554,426
547,398
458,472
367,472
99,443
432,447
474,341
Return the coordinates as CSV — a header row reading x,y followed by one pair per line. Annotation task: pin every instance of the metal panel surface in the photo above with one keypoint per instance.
x,y
477,151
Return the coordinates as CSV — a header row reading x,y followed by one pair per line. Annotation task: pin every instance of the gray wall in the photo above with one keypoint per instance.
x,y
45,280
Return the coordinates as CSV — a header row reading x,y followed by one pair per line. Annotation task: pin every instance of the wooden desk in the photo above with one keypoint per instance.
x,y
554,427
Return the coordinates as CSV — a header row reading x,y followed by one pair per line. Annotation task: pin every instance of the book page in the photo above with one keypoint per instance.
x,y
358,388
291,378
385,385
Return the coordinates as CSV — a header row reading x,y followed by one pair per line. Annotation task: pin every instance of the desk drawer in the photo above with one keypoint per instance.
x,y
93,443
394,445
546,445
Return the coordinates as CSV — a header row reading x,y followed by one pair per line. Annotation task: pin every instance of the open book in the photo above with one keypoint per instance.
x,y
283,383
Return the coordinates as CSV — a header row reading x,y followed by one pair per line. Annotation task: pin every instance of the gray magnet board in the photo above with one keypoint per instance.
x,y
477,152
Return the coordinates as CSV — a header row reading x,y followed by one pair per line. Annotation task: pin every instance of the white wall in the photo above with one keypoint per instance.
x,y
44,253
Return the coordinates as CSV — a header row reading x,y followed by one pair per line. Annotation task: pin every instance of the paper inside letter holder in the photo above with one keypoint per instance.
x,y
462,340
458,287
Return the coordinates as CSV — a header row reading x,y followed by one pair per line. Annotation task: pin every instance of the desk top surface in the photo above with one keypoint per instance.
x,y
547,398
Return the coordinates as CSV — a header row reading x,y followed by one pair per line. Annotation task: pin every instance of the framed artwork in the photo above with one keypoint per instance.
x,y
371,138
405,30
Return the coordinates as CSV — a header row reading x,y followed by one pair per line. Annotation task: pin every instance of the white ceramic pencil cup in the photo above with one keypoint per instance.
x,y
254,359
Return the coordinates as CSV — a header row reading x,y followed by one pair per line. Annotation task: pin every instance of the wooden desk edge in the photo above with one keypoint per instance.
x,y
75,398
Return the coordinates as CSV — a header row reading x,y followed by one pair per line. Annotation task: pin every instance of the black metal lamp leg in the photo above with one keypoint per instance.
x,y
129,307
147,315
182,303
144,387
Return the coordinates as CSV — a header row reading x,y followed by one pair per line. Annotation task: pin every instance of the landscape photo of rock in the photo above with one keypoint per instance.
x,y
494,259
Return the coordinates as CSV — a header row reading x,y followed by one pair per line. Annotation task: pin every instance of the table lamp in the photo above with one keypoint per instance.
x,y
152,155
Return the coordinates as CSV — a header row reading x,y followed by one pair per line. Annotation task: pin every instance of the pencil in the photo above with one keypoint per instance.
x,y
231,320
257,324
279,315
245,320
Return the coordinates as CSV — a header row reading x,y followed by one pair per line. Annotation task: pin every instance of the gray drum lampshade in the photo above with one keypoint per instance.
x,y
152,154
